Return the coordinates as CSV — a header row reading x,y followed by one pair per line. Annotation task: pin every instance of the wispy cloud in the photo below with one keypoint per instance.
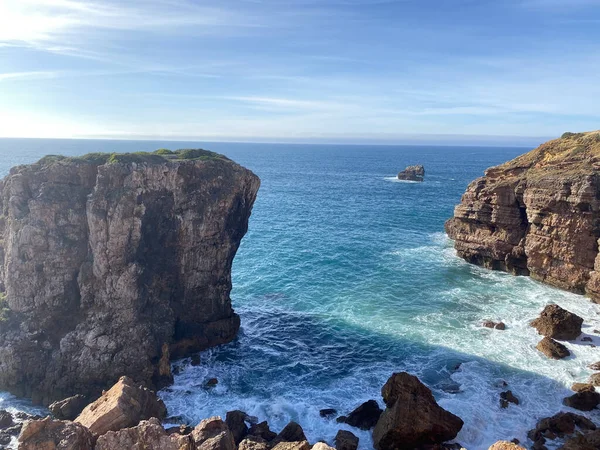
x,y
28,75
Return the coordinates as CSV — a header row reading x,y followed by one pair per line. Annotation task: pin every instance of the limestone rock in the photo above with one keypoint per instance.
x,y
537,215
412,173
412,417
506,445
558,323
123,406
345,440
552,349
148,435
580,387
236,422
559,426
595,379
595,366
69,408
104,259
213,434
49,434
365,416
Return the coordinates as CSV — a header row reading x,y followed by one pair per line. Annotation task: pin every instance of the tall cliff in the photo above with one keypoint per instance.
x,y
112,264
537,215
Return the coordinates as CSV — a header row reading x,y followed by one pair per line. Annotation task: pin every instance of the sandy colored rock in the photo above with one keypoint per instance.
x,y
69,408
506,445
322,446
412,417
580,387
49,434
148,435
595,379
302,445
253,443
123,406
213,434
537,215
345,440
552,349
107,258
558,323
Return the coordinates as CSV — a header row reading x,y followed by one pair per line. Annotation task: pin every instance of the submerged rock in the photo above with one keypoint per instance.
x,y
558,323
148,435
327,412
552,349
537,215
412,417
506,398
123,406
365,416
54,434
412,173
104,259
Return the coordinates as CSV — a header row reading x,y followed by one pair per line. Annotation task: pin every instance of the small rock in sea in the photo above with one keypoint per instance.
x,y
327,412
365,416
211,382
488,324
500,326
412,173
345,440
595,379
302,445
515,441
586,339
580,387
595,366
590,440
596,331
584,401
552,349
558,323
500,383
195,360
506,398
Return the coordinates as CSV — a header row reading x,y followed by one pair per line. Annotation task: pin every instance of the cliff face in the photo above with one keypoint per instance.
x,y
537,215
110,265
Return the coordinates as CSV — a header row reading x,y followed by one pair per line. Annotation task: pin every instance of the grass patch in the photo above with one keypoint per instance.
x,y
4,309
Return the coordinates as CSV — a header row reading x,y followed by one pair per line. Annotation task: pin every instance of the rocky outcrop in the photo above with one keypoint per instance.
x,y
148,435
123,406
48,434
213,434
412,418
583,400
104,259
412,173
537,215
558,426
558,323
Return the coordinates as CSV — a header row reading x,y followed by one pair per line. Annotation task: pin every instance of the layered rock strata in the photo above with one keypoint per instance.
x,y
110,265
537,215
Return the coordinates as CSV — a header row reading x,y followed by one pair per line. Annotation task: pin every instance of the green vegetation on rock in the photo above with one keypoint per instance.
x,y
4,310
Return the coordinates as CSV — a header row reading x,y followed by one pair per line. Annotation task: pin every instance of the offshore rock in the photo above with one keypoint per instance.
x,y
412,418
537,215
585,400
48,434
104,259
558,323
412,173
552,349
148,435
123,406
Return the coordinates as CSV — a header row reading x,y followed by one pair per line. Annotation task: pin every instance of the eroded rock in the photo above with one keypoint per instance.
x,y
148,435
292,432
412,417
552,349
49,434
213,434
236,422
583,401
558,323
506,445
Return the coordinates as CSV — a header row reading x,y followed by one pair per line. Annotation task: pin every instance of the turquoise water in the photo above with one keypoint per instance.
x,y
346,276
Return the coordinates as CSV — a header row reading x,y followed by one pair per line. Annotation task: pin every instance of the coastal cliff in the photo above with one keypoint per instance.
x,y
537,215
111,265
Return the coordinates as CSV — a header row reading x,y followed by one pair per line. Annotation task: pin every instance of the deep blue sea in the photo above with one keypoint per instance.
x,y
346,276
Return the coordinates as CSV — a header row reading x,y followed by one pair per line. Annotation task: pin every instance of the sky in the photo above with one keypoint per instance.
x,y
388,71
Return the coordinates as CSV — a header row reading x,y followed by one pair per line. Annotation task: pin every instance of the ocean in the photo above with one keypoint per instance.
x,y
346,276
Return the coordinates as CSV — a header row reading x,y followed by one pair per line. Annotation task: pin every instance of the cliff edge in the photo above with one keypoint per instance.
x,y
112,264
537,215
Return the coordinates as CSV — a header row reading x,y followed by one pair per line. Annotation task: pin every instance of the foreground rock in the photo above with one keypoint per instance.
x,y
537,215
104,259
236,422
506,445
558,323
587,441
123,406
559,426
412,418
69,408
48,434
412,173
148,435
213,434
365,416
345,440
552,349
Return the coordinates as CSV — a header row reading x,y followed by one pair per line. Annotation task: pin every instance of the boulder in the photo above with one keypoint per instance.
x,y
123,406
69,408
595,366
292,432
301,445
327,412
583,401
580,387
263,431
365,416
322,446
412,417
236,422
148,435
49,434
559,425
345,440
253,443
506,445
496,325
6,419
558,323
213,434
552,349
595,379
506,398
412,173
587,441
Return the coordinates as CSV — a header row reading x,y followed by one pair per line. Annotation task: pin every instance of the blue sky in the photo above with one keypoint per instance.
x,y
300,70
